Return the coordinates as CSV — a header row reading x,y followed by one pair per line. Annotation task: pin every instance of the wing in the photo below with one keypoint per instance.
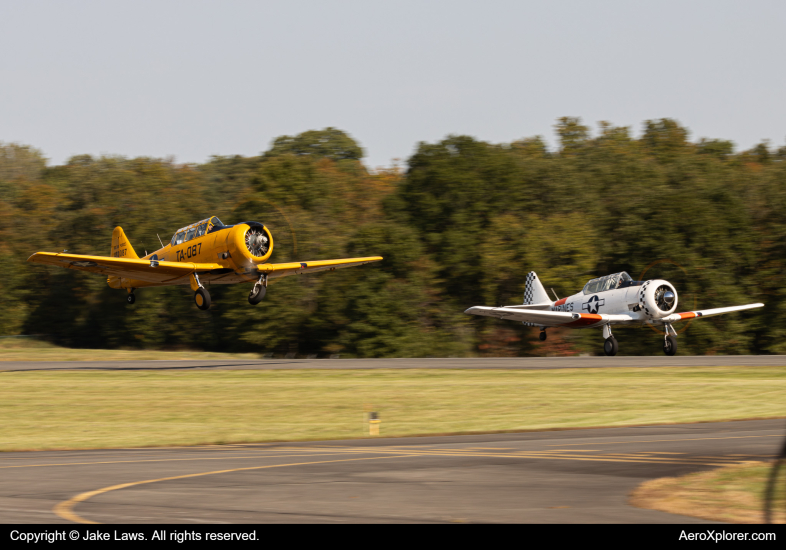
x,y
548,318
298,268
143,270
674,317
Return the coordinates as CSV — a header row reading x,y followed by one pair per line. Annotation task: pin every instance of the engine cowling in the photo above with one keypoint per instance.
x,y
657,298
250,243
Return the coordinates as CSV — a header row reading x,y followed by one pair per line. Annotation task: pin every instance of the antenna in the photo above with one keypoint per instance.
x,y
162,242
555,294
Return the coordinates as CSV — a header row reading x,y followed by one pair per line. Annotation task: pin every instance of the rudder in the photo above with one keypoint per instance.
x,y
121,247
534,293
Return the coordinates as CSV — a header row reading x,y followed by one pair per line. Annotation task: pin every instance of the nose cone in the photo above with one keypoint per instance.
x,y
668,297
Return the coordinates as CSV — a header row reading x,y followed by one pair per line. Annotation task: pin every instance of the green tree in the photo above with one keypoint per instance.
x,y
329,143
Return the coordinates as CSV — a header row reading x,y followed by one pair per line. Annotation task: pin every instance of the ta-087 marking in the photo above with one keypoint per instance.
x,y
231,254
188,252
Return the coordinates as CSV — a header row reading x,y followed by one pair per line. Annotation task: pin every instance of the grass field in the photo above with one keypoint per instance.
x,y
70,409
30,349
732,494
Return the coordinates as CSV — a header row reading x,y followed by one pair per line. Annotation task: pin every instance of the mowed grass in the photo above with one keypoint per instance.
x,y
733,494
29,349
69,409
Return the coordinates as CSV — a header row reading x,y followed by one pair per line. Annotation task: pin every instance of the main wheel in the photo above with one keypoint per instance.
x,y
610,346
255,297
131,299
542,336
670,345
202,298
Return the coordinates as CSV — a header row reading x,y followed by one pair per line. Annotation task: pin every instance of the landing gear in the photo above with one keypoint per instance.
x,y
610,346
542,335
130,298
202,298
670,345
670,341
259,290
201,295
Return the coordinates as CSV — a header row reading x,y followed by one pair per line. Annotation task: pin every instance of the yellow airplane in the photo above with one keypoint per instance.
x,y
204,252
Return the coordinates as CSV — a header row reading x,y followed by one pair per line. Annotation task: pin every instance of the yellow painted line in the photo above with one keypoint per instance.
x,y
65,509
563,451
549,454
663,440
657,459
154,460
664,453
607,458
488,448
598,458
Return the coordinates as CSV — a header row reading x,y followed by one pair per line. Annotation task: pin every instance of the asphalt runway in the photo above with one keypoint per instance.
x,y
513,363
537,477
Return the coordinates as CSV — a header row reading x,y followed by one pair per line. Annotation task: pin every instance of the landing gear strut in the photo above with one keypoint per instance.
x,y
610,346
542,335
259,290
670,341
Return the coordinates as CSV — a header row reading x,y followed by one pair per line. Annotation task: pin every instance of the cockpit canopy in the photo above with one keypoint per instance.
x,y
609,282
196,230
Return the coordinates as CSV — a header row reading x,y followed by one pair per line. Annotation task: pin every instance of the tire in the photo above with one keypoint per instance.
x,y
610,346
202,299
254,299
542,336
131,299
670,345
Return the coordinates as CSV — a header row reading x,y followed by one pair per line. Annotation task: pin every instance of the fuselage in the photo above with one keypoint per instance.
x,y
618,294
236,249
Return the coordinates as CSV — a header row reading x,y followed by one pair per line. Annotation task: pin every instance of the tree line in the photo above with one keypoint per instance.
x,y
460,225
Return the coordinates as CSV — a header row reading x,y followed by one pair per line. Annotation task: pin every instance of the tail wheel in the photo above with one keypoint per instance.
x,y
542,336
256,294
670,345
610,346
202,298
131,299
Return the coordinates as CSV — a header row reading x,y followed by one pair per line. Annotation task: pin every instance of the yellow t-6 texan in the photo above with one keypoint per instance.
x,y
204,252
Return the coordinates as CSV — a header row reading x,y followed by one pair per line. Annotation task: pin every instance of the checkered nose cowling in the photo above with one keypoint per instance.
x,y
657,298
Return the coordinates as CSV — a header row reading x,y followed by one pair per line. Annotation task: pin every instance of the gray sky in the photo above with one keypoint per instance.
x,y
196,78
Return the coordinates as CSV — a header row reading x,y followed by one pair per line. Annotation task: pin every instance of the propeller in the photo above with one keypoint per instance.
x,y
257,242
664,297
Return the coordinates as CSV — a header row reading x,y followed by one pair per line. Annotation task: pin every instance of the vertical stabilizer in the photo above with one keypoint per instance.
x,y
121,248
534,293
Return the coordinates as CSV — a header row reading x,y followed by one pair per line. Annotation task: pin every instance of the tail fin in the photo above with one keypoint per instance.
x,y
534,293
121,248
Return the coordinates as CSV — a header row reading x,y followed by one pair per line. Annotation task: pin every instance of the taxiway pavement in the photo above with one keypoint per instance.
x,y
555,476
